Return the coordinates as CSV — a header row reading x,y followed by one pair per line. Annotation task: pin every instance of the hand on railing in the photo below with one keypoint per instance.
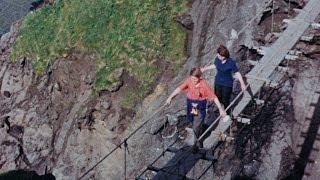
x,y
217,119
168,101
243,87
222,113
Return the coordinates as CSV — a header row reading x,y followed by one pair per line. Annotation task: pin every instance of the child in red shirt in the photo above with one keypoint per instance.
x,y
198,92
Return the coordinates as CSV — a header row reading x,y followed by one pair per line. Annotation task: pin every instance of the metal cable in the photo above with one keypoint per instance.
x,y
119,146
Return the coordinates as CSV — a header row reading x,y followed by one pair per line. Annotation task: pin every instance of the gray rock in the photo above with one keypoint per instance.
x,y
268,37
9,150
172,119
16,131
115,86
116,75
88,79
186,21
251,169
106,104
50,88
157,125
103,105
57,87
97,116
55,115
37,141
7,94
112,121
98,106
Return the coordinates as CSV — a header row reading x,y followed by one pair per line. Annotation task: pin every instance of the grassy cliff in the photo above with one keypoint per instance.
x,y
130,34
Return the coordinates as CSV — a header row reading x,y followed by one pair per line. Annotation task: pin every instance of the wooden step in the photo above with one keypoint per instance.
x,y
262,50
307,38
277,34
291,57
282,69
287,21
297,10
315,98
259,101
295,52
244,120
310,112
315,25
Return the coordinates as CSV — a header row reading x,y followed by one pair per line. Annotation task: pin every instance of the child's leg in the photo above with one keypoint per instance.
x,y
197,125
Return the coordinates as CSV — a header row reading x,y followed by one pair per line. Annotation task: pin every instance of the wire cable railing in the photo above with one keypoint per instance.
x,y
124,143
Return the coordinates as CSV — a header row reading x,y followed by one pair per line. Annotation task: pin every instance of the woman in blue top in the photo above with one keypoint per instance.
x,y
224,80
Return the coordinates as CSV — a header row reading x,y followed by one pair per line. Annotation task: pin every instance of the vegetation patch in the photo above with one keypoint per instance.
x,y
124,33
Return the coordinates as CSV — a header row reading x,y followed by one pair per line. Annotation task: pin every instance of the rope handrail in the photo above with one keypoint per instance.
x,y
219,117
144,123
155,160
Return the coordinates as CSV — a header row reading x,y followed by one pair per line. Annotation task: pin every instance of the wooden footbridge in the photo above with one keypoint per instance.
x,y
265,72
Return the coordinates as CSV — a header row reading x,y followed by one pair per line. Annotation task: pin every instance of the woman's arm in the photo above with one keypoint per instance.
x,y
172,95
239,77
212,66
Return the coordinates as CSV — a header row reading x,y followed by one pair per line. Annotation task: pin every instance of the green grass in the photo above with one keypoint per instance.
x,y
124,33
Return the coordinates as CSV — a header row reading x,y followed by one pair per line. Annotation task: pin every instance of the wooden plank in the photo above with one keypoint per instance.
x,y
294,52
280,48
315,25
244,120
310,112
270,61
308,38
291,57
314,156
297,10
277,34
315,98
178,167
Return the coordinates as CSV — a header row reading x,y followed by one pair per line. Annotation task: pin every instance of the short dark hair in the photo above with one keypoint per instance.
x,y
196,72
223,51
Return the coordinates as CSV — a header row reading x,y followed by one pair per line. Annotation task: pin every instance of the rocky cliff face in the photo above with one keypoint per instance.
x,y
57,121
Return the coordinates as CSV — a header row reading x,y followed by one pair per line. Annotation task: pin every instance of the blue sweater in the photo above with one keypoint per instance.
x,y
225,71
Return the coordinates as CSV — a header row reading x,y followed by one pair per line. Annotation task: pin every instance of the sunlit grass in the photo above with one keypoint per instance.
x,y
124,33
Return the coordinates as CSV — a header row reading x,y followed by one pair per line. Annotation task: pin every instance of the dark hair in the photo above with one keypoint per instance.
x,y
196,72
223,51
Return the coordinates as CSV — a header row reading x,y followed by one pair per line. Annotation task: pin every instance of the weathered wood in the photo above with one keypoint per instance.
x,y
315,25
307,38
291,57
294,52
178,167
259,101
280,49
244,120
297,10
275,54
288,21
185,159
